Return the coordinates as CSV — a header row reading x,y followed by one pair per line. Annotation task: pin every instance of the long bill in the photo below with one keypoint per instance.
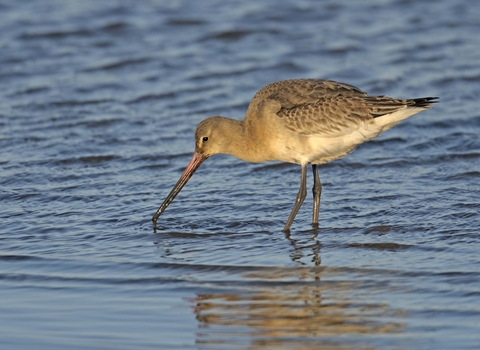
x,y
195,162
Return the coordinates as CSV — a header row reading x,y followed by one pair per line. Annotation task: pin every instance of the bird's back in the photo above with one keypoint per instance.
x,y
325,107
301,91
321,120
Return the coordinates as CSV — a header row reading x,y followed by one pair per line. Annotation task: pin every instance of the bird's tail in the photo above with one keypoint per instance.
x,y
423,102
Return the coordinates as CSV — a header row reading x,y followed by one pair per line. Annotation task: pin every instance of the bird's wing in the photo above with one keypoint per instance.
x,y
299,91
322,107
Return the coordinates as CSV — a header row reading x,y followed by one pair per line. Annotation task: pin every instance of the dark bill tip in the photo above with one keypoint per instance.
x,y
195,162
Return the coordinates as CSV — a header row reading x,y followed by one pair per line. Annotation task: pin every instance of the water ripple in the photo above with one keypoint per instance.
x,y
98,105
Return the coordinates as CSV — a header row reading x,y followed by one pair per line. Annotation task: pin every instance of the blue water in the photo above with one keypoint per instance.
x,y
98,105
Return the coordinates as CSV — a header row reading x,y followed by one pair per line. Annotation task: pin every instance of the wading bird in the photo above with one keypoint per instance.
x,y
301,121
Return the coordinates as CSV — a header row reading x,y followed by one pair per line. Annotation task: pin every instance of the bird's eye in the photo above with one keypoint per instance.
x,y
205,139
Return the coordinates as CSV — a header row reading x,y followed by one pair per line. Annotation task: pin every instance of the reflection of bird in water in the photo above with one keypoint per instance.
x,y
278,307
299,248
303,121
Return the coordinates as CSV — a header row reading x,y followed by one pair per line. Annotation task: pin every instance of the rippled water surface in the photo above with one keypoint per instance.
x,y
98,104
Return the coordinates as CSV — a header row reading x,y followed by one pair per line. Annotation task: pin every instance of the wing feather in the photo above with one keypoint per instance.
x,y
324,107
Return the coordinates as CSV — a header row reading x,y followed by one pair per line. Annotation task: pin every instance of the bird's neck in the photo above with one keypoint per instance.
x,y
240,142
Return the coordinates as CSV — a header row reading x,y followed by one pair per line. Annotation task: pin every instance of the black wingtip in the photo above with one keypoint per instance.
x,y
425,101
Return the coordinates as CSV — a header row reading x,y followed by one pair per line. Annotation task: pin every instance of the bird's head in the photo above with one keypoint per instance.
x,y
213,135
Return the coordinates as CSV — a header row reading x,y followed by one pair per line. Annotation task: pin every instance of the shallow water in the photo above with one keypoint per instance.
x,y
98,104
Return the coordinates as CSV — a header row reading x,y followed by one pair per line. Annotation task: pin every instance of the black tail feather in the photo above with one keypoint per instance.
x,y
424,102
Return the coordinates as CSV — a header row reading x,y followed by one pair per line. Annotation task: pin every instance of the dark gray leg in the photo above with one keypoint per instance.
x,y
302,193
317,192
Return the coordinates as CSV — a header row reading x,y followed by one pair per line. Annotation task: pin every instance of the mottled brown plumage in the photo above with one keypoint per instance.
x,y
302,121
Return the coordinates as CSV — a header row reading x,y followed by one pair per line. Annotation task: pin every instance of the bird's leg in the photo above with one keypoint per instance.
x,y
302,193
317,192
